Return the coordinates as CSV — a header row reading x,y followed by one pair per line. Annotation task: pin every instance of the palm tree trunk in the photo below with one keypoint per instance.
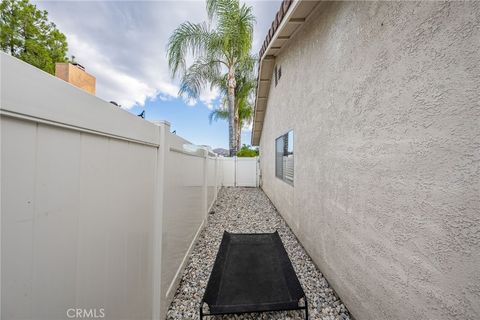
x,y
237,129
239,136
231,112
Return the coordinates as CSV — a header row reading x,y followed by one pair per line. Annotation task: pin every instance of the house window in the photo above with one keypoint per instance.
x,y
284,157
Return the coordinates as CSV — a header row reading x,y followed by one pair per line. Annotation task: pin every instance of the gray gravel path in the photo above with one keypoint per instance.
x,y
250,210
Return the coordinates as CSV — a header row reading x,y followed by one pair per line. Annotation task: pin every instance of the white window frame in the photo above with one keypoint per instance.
x,y
280,171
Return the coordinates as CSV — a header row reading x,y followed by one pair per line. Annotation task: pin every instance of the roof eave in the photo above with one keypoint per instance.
x,y
288,20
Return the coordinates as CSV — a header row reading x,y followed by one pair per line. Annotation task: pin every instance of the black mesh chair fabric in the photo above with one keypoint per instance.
x,y
252,273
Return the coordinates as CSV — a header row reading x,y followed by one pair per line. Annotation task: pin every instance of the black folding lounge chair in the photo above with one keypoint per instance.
x,y
252,273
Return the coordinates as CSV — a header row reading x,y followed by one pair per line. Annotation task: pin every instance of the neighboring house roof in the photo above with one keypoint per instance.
x,y
291,15
222,152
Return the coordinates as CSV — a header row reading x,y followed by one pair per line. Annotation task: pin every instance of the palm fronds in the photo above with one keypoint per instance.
x,y
221,58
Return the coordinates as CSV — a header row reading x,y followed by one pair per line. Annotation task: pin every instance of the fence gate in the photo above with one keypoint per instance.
x,y
240,172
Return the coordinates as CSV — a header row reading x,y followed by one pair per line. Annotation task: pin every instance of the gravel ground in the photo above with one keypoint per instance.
x,y
250,210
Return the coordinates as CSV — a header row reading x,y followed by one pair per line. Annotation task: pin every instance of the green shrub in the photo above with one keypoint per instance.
x,y
247,151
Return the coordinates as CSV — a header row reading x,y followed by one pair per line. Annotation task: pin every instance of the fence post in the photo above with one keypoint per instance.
x,y
158,302
257,171
205,181
216,177
235,171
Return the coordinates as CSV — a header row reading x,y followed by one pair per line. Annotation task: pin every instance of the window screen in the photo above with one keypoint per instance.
x,y
284,157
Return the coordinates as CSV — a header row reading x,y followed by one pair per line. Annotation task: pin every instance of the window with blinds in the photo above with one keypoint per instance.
x,y
284,157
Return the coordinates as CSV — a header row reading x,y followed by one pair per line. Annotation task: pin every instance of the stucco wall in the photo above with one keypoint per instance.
x,y
384,101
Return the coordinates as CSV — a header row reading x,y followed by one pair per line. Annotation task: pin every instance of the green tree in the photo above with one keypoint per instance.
x,y
246,84
26,33
219,47
247,151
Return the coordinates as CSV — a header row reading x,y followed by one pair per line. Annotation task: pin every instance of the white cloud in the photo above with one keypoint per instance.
x,y
123,44
209,95
190,102
115,84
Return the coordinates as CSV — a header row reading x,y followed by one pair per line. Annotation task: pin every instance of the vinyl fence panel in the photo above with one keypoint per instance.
x,y
246,172
211,181
77,215
184,212
228,169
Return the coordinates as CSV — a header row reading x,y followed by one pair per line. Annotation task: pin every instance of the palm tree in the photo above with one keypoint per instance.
x,y
218,52
245,112
246,83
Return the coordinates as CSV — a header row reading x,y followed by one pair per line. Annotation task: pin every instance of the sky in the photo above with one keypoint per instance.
x,y
123,44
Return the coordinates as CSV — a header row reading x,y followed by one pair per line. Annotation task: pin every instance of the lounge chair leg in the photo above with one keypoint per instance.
x,y
201,311
306,309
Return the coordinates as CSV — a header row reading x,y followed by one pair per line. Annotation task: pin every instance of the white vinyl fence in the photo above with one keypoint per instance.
x,y
99,208
240,172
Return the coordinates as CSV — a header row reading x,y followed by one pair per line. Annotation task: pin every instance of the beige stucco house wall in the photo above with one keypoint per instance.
x,y
384,102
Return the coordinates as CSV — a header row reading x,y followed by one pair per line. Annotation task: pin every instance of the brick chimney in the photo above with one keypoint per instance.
x,y
76,75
